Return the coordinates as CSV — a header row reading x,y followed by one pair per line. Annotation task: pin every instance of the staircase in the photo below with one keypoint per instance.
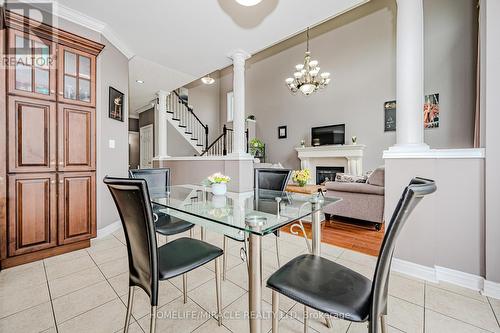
x,y
223,145
187,123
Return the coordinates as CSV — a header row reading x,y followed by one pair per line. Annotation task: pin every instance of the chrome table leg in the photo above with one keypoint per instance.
x,y
255,277
152,325
224,258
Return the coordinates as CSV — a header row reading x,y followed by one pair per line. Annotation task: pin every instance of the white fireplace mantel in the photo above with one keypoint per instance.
x,y
350,157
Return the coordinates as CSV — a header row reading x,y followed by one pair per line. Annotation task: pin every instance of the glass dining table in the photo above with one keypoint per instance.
x,y
247,216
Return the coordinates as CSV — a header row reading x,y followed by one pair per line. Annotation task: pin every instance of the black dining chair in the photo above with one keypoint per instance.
x,y
149,264
159,180
264,179
338,291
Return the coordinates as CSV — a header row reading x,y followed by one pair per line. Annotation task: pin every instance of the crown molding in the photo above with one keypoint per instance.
x,y
86,21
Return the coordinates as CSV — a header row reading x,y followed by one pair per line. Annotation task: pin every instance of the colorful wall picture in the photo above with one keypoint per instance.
x,y
390,116
431,111
115,104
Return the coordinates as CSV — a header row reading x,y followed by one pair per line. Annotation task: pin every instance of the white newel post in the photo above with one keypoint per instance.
x,y
161,125
410,76
239,57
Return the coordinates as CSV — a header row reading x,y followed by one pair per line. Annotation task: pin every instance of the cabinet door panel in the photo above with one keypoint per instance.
x,y
76,138
34,73
76,207
32,213
31,135
76,77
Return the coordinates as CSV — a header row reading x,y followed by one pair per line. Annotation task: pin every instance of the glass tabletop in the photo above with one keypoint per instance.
x,y
260,212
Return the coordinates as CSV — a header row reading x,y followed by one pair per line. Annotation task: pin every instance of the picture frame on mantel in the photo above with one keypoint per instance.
x,y
282,132
116,99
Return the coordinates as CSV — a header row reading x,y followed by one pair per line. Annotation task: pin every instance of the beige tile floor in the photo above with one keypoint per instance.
x,y
86,291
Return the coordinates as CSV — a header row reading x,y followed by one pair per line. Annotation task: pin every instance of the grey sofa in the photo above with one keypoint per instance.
x,y
362,201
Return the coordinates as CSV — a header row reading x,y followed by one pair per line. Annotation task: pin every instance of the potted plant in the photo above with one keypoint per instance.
x,y
219,183
301,176
256,147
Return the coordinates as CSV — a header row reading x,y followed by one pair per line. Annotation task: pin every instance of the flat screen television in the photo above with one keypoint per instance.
x,y
328,135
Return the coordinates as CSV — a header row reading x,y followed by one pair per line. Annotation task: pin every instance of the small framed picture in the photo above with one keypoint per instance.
x,y
282,132
115,104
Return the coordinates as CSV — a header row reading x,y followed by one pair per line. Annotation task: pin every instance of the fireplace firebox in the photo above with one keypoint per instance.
x,y
326,174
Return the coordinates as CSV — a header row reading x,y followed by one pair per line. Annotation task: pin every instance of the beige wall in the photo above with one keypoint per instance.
x,y
447,228
205,101
492,113
358,48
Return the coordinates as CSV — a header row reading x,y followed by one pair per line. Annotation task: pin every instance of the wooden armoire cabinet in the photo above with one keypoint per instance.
x,y
47,141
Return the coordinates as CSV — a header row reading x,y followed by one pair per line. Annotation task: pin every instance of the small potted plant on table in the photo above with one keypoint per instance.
x,y
219,183
301,176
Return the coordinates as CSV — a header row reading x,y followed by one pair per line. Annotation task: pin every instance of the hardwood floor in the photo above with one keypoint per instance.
x,y
360,237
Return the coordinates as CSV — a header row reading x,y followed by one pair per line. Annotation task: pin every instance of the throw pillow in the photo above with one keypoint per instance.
x,y
347,178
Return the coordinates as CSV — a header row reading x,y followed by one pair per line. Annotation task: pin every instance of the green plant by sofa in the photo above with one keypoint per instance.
x,y
256,147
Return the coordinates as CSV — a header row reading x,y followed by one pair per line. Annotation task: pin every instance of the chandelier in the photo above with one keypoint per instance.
x,y
307,77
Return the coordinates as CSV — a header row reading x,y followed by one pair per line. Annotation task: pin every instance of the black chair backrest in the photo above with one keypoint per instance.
x,y
271,179
412,195
156,178
131,197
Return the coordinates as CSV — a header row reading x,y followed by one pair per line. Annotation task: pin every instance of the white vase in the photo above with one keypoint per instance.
x,y
219,189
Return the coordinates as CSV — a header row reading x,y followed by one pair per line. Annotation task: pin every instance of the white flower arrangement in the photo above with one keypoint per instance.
x,y
218,178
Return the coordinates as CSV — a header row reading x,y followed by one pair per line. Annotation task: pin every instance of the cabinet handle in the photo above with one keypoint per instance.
x,y
52,91
61,163
60,93
61,181
53,182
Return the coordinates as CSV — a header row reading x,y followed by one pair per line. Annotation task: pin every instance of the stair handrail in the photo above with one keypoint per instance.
x,y
190,109
223,137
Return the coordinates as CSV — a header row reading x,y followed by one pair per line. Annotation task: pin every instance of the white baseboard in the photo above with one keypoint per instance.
x,y
443,274
109,229
414,270
491,289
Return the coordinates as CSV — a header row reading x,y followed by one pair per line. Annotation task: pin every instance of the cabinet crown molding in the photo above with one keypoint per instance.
x,y
42,30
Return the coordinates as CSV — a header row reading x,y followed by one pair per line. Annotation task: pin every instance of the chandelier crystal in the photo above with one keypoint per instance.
x,y
307,77
207,79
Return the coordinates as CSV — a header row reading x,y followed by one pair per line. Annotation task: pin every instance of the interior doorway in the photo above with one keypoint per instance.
x,y
146,146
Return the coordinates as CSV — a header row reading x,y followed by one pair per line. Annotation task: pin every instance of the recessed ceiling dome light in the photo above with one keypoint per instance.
x,y
248,3
207,79
139,81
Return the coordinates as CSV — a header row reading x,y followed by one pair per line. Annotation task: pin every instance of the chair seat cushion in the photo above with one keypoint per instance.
x,y
183,255
325,286
168,225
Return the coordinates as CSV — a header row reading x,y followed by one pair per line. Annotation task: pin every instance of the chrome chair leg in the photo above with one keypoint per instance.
x,y
152,325
276,311
224,258
306,315
184,287
383,323
129,308
218,291
278,250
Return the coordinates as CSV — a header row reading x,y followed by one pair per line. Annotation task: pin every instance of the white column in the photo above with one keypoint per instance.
x,y
239,57
161,124
410,76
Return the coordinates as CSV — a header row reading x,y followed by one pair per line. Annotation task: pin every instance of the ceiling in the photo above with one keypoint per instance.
x,y
195,37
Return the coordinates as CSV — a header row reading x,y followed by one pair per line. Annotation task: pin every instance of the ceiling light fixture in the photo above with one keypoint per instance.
x,y
248,3
207,79
139,81
307,78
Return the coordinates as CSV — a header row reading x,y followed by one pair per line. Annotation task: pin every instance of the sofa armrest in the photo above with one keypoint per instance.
x,y
355,188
